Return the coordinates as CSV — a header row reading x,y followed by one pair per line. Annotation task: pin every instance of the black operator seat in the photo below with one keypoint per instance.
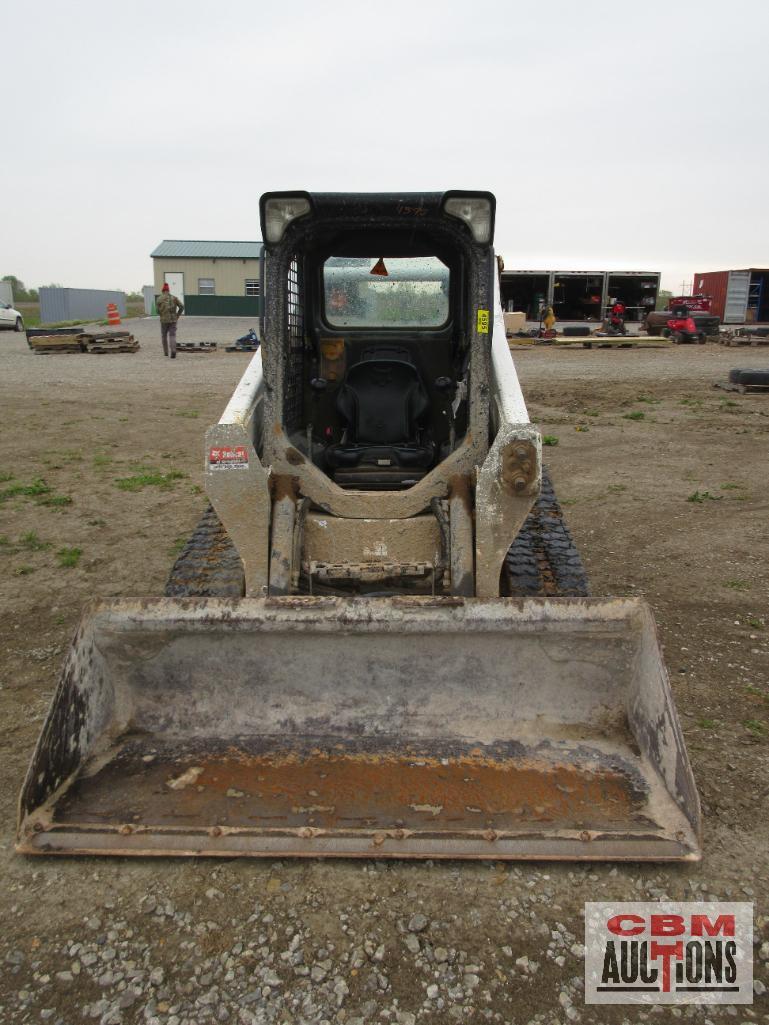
x,y
383,403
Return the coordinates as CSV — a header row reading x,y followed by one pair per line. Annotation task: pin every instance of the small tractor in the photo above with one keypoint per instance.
x,y
378,642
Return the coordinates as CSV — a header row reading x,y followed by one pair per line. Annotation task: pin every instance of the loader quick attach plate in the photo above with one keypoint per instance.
x,y
404,727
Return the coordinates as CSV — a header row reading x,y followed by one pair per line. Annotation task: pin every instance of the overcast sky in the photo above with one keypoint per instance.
x,y
614,135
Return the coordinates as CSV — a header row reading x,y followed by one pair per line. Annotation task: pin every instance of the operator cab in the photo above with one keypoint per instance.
x,y
374,319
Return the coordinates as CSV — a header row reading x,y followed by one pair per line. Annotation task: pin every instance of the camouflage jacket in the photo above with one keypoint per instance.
x,y
168,307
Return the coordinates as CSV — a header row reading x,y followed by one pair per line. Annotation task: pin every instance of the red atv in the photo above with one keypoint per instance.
x,y
682,327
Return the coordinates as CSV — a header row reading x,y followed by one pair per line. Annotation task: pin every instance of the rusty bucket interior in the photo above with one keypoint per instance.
x,y
381,727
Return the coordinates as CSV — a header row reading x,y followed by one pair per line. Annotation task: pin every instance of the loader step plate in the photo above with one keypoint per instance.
x,y
424,731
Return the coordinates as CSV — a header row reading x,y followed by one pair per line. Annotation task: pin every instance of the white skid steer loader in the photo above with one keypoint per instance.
x,y
378,642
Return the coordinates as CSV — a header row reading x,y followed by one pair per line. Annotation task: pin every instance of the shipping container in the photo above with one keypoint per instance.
x,y
61,304
739,296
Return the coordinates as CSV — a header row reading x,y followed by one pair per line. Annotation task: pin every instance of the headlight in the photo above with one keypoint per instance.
x,y
280,212
475,211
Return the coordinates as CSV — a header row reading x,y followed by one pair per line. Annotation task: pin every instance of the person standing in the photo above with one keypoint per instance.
x,y
169,308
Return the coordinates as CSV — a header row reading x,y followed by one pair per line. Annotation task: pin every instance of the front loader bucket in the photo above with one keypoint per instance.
x,y
400,727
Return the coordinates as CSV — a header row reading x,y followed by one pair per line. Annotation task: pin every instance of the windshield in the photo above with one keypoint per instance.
x,y
392,292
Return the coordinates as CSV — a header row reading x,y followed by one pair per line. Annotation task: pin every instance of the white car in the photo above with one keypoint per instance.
x,y
10,318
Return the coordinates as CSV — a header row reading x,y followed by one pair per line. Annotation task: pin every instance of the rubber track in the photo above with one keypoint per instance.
x,y
543,560
209,565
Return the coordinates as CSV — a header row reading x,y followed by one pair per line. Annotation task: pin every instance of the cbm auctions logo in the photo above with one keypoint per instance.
x,y
667,953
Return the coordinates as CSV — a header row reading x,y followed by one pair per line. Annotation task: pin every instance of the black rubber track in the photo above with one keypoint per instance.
x,y
542,560
209,565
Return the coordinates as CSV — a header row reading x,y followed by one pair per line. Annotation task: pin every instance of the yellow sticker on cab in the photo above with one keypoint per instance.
x,y
483,322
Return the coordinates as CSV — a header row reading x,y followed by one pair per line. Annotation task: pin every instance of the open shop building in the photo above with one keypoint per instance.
x,y
579,295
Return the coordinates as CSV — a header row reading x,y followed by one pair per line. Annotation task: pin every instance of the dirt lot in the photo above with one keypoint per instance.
x,y
665,483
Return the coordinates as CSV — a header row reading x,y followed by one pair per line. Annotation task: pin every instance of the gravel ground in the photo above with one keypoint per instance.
x,y
175,942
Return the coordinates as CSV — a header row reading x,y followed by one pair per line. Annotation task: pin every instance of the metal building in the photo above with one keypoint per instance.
x,y
58,304
214,278
737,296
579,295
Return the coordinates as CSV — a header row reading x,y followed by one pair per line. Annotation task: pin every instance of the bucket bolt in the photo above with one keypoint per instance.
x,y
519,466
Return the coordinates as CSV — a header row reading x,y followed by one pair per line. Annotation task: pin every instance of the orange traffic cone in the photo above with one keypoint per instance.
x,y
113,317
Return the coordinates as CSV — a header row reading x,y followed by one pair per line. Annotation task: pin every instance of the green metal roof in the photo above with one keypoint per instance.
x,y
191,248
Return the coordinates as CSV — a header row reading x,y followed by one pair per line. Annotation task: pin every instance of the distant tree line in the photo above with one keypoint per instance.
x,y
21,294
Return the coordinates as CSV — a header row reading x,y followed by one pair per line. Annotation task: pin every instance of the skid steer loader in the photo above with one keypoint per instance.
x,y
378,641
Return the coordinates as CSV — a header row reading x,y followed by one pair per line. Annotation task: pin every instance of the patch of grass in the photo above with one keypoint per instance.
x,y
728,404
69,557
150,479
648,399
617,489
32,542
737,585
695,404
637,414
729,486
196,489
188,414
96,523
5,541
703,496
5,477
757,624
757,693
755,726
592,412
56,501
23,571
549,439
177,546
37,487
581,428
102,460
65,455
707,724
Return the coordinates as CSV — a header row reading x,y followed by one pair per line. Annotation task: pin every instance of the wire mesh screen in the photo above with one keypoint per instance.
x,y
293,394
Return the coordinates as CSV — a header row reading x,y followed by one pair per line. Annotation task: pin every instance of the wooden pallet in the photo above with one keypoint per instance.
x,y
196,346
742,389
729,339
46,344
109,341
616,343
101,349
